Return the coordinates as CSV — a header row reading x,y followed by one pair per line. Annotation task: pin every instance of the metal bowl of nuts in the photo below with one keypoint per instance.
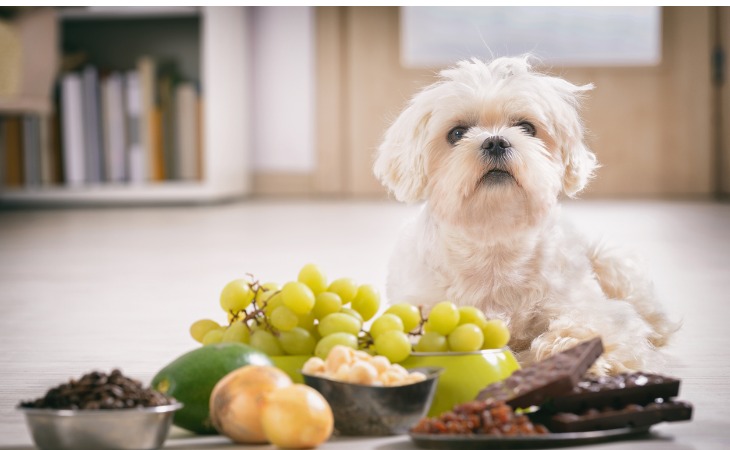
x,y
100,412
368,395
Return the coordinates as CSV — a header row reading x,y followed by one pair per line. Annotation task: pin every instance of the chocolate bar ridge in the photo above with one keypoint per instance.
x,y
546,379
616,391
629,416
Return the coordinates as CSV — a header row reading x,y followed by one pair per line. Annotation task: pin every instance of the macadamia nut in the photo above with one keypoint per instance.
x,y
356,366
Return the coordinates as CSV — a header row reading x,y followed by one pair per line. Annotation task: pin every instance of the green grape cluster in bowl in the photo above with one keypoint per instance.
x,y
310,316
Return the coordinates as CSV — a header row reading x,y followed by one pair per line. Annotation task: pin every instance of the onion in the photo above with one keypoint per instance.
x,y
237,399
297,416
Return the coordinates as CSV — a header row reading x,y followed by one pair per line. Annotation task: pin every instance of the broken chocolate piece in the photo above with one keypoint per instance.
x,y
550,378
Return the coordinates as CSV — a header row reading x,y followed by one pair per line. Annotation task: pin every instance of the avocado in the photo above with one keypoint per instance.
x,y
190,379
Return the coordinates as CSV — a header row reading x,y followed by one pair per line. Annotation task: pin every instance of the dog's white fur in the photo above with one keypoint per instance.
x,y
499,243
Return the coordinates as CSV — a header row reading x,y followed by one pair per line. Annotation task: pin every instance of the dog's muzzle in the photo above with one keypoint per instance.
x,y
495,147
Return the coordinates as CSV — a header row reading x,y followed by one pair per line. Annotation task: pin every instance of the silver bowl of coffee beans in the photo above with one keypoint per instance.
x,y
100,411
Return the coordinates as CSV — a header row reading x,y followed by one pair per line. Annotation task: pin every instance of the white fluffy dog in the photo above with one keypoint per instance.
x,y
490,147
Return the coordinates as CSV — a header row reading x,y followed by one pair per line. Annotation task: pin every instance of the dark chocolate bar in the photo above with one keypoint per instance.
x,y
616,391
628,416
550,378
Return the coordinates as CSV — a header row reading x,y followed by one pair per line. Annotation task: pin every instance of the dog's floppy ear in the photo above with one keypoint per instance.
x,y
579,161
401,160
580,164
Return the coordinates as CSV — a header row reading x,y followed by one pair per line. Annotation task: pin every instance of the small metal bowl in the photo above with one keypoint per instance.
x,y
117,429
361,410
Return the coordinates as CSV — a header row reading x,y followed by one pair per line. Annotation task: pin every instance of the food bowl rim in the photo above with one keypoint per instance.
x,y
478,352
98,412
433,372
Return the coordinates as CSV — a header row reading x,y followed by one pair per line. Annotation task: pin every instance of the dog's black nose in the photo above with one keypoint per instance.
x,y
495,146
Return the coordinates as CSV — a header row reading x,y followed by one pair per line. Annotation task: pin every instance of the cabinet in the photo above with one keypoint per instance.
x,y
216,37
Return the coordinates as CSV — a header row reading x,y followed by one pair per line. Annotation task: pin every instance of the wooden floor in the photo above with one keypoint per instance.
x,y
103,288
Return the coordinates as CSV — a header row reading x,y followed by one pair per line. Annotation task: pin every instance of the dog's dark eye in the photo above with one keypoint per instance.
x,y
527,127
456,134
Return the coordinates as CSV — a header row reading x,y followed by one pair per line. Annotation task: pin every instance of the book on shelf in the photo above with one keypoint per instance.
x,y
72,129
136,160
27,155
94,168
56,148
13,151
157,142
147,69
47,150
167,80
31,150
114,127
187,131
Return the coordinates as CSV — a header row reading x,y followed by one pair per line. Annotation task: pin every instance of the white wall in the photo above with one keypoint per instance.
x,y
434,36
283,114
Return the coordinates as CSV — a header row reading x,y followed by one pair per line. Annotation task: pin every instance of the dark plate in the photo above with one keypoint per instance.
x,y
481,442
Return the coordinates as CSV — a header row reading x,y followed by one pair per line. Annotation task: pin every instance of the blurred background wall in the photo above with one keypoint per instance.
x,y
294,100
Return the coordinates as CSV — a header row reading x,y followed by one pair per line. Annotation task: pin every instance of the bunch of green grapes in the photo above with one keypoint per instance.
x,y
311,316
402,329
303,317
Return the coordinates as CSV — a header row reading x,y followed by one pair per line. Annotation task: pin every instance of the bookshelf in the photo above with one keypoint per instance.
x,y
216,52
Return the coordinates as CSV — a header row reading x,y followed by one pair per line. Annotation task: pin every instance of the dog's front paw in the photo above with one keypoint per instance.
x,y
616,358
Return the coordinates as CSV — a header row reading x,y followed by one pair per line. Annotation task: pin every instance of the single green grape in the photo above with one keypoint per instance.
x,y
213,336
284,319
383,324
326,303
328,342
466,338
297,341
366,301
236,332
409,314
346,288
199,328
496,334
274,301
394,345
254,325
265,291
432,342
443,318
266,342
338,323
312,276
353,313
471,314
307,321
297,297
236,296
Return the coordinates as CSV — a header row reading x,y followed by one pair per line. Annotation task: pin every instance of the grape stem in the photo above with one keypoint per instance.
x,y
257,313
365,339
419,331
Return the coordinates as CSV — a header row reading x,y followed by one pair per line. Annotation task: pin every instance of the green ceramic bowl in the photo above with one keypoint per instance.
x,y
464,375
